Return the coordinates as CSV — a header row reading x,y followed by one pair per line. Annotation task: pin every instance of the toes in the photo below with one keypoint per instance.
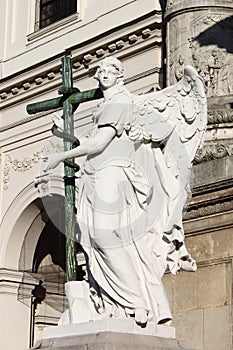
x,y
141,317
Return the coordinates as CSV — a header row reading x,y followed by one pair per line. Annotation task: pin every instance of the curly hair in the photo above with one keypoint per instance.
x,y
110,61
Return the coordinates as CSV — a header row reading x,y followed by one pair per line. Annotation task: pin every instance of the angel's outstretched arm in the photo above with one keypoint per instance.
x,y
92,145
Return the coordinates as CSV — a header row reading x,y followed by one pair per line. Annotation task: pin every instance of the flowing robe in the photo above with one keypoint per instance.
x,y
126,196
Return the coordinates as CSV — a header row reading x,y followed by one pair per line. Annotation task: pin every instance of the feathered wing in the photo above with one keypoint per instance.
x,y
178,109
174,119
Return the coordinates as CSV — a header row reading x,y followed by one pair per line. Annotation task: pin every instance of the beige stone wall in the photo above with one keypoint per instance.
x,y
199,33
202,301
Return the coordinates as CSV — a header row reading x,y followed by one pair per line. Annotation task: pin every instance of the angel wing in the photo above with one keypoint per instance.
x,y
176,117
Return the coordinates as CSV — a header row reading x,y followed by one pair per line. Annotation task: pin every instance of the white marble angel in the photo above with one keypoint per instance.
x,y
133,188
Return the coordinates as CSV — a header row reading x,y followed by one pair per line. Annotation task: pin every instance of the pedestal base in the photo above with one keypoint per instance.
x,y
111,334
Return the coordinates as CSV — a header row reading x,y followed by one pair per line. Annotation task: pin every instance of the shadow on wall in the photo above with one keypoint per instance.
x,y
219,34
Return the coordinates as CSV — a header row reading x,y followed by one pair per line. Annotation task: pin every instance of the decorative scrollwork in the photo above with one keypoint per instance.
x,y
6,176
26,163
214,151
220,116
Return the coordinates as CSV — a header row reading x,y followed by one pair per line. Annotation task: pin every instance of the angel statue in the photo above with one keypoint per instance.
x,y
133,188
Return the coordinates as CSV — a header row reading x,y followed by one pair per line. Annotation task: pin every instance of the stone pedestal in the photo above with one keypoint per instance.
x,y
111,334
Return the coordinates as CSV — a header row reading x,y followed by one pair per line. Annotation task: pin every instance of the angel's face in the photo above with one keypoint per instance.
x,y
107,76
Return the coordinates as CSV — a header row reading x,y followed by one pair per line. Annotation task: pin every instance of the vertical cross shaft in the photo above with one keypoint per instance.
x,y
70,100
69,178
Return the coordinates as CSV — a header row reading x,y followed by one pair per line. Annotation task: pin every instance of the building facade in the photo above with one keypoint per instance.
x,y
154,40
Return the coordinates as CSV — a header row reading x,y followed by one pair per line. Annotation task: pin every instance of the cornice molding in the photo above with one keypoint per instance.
x,y
216,116
32,117
210,187
209,208
177,7
210,199
213,262
48,76
11,280
25,120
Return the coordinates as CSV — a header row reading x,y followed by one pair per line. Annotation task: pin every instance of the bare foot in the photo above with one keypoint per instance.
x,y
141,317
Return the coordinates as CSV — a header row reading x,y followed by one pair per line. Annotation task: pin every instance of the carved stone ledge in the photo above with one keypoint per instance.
x,y
87,58
213,151
208,208
77,65
207,188
211,177
82,61
146,33
181,6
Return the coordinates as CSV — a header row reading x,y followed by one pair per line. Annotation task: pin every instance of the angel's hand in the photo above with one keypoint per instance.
x,y
51,161
58,121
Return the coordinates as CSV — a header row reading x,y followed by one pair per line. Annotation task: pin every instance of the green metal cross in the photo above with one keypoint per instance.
x,y
70,100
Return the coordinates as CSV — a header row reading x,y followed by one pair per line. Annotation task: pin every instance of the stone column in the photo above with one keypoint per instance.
x,y
199,32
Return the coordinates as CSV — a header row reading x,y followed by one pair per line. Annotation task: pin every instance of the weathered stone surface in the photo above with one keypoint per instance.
x,y
215,242
217,329
189,326
212,172
185,292
116,334
202,300
212,286
111,341
169,284
197,37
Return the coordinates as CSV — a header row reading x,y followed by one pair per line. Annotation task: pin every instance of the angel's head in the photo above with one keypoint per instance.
x,y
109,73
